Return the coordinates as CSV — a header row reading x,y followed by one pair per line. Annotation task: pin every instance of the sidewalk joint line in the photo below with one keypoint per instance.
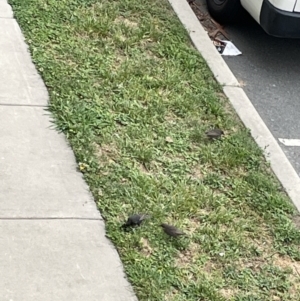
x,y
22,105
52,218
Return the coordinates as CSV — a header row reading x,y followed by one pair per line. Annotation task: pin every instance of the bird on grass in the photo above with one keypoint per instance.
x,y
214,133
135,220
172,230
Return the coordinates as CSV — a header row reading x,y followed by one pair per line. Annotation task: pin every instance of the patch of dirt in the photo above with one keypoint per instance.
x,y
171,294
286,262
264,243
209,267
196,172
146,249
254,264
193,225
188,256
228,292
240,171
106,153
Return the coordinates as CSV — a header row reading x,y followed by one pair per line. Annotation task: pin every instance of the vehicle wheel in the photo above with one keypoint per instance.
x,y
224,11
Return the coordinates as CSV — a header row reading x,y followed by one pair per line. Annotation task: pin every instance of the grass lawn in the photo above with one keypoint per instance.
x,y
134,99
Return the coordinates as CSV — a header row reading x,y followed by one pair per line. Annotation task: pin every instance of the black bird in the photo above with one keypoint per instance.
x,y
135,220
172,230
214,133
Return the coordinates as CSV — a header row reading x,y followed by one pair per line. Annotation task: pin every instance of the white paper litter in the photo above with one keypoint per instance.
x,y
226,48
230,49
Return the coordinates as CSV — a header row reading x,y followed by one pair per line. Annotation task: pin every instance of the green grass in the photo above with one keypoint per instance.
x,y
134,99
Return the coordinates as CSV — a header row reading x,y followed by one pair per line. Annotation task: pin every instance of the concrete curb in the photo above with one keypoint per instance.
x,y
280,165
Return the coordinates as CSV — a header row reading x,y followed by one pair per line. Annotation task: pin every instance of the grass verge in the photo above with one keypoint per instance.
x,y
134,99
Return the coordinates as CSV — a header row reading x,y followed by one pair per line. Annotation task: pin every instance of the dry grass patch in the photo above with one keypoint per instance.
x,y
122,20
228,293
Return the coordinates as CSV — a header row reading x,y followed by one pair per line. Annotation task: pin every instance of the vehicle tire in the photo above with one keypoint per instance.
x,y
224,11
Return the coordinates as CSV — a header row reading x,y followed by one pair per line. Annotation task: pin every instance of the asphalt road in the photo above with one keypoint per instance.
x,y
269,69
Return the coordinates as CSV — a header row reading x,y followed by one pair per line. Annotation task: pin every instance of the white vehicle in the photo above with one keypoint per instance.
x,y
280,18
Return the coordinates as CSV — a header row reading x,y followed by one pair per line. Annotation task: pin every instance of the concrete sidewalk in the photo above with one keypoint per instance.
x,y
52,238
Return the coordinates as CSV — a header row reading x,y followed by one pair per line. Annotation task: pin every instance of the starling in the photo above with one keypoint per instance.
x,y
135,220
214,133
172,230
